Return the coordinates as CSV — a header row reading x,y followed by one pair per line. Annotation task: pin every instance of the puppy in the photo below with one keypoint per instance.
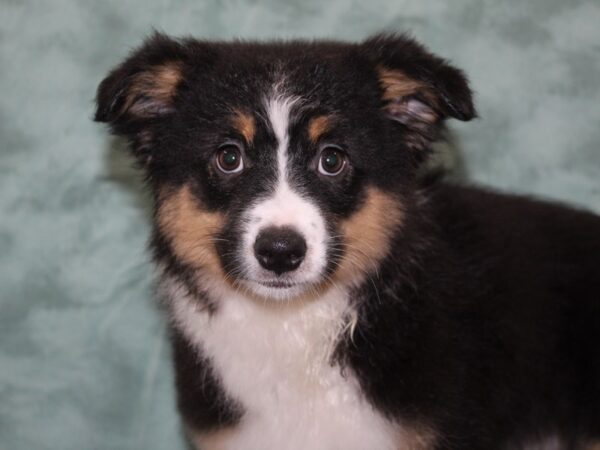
x,y
322,294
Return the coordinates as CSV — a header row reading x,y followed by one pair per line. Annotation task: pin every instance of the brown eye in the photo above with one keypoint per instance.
x,y
332,161
229,159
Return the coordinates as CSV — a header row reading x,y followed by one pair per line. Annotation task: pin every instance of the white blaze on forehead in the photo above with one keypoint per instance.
x,y
278,110
285,207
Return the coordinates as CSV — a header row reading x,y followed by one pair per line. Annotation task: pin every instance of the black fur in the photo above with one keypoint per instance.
x,y
201,398
493,332
484,319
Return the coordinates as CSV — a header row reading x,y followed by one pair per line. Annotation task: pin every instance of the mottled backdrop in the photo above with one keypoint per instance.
x,y
84,362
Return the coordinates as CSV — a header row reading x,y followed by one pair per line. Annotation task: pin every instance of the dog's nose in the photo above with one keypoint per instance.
x,y
279,249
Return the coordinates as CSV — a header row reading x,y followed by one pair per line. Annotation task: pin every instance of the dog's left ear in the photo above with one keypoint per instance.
x,y
418,89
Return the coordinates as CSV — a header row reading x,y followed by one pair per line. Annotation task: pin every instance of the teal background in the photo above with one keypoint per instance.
x,y
84,362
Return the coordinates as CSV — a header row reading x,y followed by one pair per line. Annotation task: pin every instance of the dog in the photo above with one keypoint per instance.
x,y
326,294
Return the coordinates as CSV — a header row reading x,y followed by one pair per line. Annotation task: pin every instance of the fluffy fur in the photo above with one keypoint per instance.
x,y
416,315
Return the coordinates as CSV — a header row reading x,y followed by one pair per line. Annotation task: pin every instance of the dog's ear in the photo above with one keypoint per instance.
x,y
418,89
143,87
142,91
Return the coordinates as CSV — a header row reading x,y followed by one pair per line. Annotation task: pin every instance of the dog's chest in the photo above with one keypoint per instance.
x,y
276,363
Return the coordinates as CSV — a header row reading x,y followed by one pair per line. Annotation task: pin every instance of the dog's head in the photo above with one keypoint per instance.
x,y
282,167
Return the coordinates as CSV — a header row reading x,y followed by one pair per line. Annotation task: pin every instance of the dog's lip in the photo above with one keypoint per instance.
x,y
277,284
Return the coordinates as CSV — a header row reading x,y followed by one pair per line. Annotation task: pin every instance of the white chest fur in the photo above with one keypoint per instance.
x,y
275,361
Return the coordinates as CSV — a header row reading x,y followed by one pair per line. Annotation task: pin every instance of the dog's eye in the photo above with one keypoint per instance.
x,y
332,161
229,159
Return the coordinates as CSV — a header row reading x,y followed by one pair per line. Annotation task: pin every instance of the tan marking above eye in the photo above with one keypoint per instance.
x,y
189,228
152,90
244,123
317,126
367,234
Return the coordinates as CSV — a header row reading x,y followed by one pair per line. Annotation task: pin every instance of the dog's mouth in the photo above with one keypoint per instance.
x,y
277,289
277,284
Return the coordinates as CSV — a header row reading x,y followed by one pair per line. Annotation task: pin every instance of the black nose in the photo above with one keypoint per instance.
x,y
279,249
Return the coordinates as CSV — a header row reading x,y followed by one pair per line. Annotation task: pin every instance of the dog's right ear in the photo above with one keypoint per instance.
x,y
143,87
142,90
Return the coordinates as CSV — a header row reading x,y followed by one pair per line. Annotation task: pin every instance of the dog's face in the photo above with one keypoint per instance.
x,y
280,168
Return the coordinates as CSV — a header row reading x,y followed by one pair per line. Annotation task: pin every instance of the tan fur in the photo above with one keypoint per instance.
x,y
245,125
397,86
366,235
592,446
213,440
409,438
317,126
157,84
416,437
190,229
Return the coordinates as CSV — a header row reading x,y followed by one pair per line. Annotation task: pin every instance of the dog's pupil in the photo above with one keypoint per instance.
x,y
229,158
331,161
